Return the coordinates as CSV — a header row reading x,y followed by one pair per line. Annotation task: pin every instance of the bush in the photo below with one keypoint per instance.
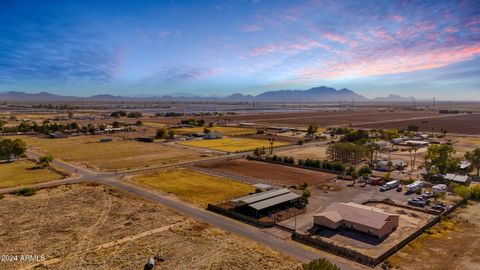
x,y
463,191
26,192
301,142
365,170
320,264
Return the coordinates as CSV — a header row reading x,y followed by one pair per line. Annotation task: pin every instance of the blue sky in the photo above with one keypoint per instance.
x,y
376,48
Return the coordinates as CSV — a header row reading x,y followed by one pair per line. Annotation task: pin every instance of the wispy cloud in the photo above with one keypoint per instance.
x,y
252,28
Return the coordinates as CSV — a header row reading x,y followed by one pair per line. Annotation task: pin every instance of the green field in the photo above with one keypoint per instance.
x,y
116,155
194,187
231,144
23,172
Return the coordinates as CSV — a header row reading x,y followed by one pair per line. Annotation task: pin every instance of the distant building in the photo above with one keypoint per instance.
x,y
417,143
358,217
213,135
57,135
397,164
262,187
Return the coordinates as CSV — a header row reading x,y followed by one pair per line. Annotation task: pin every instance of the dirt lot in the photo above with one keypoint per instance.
x,y
228,131
95,227
24,172
303,119
453,244
116,155
270,173
194,187
458,124
317,152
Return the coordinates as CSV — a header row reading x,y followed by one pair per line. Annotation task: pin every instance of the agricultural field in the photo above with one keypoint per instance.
x,y
228,131
317,152
116,155
24,172
269,173
195,187
231,144
453,244
95,227
454,123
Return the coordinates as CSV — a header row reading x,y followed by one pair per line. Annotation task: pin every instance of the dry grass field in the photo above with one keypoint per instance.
x,y
94,227
231,144
453,244
317,152
270,173
228,131
194,187
116,155
24,172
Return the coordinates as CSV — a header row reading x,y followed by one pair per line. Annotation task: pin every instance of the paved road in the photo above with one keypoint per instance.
x,y
286,247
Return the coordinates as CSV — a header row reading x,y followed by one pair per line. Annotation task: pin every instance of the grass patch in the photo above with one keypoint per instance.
x,y
228,131
115,155
231,144
194,187
23,172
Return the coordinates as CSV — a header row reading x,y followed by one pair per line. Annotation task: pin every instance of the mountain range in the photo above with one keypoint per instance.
x,y
316,94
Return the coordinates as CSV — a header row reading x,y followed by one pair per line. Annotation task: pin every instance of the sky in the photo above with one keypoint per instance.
x,y
215,48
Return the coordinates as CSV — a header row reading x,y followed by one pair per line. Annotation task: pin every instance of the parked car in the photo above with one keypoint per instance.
x,y
438,207
427,194
417,202
399,189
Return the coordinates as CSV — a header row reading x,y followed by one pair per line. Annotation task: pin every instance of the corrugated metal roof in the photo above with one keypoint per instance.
x,y
275,200
456,178
249,199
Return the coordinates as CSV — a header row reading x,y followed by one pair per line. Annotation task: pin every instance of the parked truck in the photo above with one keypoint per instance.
x,y
417,185
390,185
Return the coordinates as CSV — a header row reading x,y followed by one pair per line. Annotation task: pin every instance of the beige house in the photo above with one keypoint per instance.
x,y
359,217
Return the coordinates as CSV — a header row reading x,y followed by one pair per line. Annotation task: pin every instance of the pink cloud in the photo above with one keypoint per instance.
x,y
263,50
335,37
252,28
397,18
398,61
451,29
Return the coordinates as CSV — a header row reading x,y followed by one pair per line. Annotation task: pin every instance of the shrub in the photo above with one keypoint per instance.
x,y
301,142
463,192
320,264
365,170
26,192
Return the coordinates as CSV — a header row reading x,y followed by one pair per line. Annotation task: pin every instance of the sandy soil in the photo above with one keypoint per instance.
x,y
453,244
271,173
95,227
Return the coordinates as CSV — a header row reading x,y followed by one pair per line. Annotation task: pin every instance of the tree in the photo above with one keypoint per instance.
x,y
272,142
206,130
474,158
45,161
413,128
161,133
301,141
259,151
320,264
18,148
365,170
171,135
9,149
463,192
312,130
439,159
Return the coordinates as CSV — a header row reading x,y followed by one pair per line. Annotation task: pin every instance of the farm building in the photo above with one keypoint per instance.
x,y
359,217
213,135
260,187
397,164
264,203
416,143
57,135
461,179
